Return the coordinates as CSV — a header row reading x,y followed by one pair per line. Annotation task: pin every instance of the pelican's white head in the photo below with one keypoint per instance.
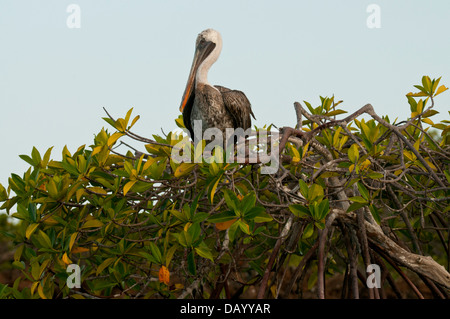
x,y
207,50
210,35
209,42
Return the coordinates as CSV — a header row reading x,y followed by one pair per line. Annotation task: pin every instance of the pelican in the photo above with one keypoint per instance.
x,y
215,106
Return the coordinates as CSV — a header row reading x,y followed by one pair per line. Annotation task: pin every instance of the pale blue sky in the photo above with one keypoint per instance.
x,y
54,80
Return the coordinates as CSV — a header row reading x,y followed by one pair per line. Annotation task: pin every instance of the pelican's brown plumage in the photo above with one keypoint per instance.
x,y
215,106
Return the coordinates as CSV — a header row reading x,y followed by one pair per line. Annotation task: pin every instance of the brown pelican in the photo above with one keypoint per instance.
x,y
215,106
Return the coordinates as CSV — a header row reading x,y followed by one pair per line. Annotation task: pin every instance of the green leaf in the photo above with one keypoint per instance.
x,y
32,212
263,218
28,159
69,168
36,156
97,190
222,217
324,208
314,210
375,213
104,284
113,138
336,137
184,169
254,212
257,267
204,251
319,225
187,212
73,237
191,263
309,231
375,175
441,89
92,223
3,193
358,199
304,189
231,199
179,215
19,264
212,190
158,169
412,102
248,202
434,84
169,254
430,113
52,188
422,89
194,205
299,210
105,264
179,121
311,109
110,121
447,175
128,186
156,253
45,240
136,118
30,230
3,291
194,231
426,82
335,112
46,158
185,242
353,153
315,193
232,231
363,190
199,217
127,116
243,226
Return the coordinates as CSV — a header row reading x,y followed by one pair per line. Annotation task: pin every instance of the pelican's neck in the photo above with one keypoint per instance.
x,y
202,71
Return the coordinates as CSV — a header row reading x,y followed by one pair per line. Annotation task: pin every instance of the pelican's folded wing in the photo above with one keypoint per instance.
x,y
238,105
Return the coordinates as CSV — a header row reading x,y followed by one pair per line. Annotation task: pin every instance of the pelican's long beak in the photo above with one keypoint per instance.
x,y
203,49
